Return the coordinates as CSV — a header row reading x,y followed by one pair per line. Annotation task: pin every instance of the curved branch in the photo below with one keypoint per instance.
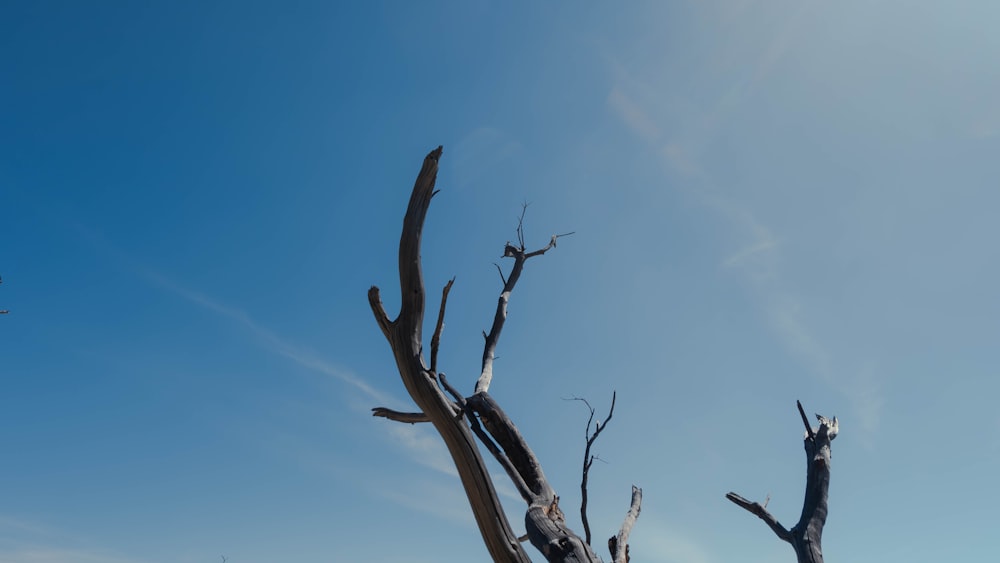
x,y
411,278
375,302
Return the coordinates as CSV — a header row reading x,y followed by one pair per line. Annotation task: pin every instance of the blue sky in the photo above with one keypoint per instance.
x,y
772,201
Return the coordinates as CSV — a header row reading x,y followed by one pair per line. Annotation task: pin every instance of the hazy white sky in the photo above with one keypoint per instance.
x,y
772,201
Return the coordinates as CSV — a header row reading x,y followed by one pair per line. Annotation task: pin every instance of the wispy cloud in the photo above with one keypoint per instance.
x,y
633,115
271,340
669,547
419,442
445,499
758,254
23,541
679,160
755,248
424,446
758,261
480,153
441,500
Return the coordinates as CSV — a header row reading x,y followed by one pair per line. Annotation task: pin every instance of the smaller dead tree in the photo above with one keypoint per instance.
x,y
807,535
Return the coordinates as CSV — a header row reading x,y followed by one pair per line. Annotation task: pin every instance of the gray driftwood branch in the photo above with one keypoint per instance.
x,y
806,537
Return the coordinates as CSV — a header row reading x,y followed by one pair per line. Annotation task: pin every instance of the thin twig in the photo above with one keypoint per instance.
x,y
436,339
520,226
502,278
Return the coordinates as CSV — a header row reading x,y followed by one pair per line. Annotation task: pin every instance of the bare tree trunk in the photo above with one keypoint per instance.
x,y
806,537
461,420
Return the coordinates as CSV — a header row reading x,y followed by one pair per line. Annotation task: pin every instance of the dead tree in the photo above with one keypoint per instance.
x,y
807,535
460,420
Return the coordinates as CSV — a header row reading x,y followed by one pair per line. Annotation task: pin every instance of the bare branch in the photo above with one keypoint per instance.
x,y
520,226
588,460
502,279
498,454
619,544
762,513
520,257
375,301
506,434
805,420
454,392
436,339
551,245
408,417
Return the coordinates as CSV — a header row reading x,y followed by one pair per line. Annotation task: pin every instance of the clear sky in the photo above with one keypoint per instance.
x,y
772,201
